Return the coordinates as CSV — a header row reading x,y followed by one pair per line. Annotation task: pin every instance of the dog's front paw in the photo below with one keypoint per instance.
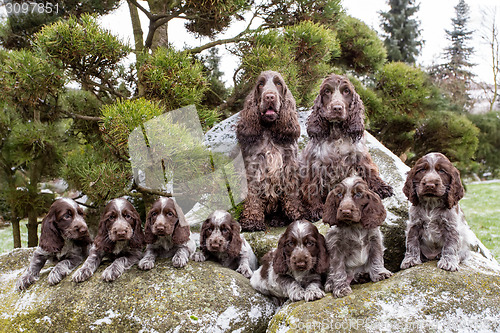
x,y
82,274
297,294
448,264
341,291
111,274
379,276
55,277
313,293
199,256
146,264
179,260
328,286
245,271
25,281
410,261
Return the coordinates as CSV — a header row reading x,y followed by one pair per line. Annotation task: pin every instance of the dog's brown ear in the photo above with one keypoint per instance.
x,y
410,188
234,247
280,265
373,214
330,208
323,262
51,239
456,189
317,126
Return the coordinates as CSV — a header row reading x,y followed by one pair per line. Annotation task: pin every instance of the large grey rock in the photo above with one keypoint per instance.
x,y
201,297
421,299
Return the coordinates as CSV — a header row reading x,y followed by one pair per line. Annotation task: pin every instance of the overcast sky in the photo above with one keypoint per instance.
x,y
434,16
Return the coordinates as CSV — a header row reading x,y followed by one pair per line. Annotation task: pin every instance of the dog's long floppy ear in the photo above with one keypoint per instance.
x,y
330,209
355,123
410,188
323,262
51,239
234,247
249,127
317,126
182,231
280,266
373,213
180,214
456,189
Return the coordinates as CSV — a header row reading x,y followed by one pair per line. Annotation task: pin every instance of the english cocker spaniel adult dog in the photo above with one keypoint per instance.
x,y
354,240
336,149
221,241
167,234
437,226
64,239
119,237
267,132
294,269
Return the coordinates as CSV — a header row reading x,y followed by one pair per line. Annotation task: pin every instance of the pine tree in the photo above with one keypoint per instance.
x,y
455,76
402,32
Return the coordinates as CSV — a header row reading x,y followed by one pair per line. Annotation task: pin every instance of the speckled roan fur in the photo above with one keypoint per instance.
x,y
268,141
336,149
354,240
437,226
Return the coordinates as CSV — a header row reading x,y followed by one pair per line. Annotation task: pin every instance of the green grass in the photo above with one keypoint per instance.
x,y
6,241
481,206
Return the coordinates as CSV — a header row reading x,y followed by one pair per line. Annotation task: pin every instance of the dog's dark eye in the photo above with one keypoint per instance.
x,y
327,91
420,170
127,216
224,231
346,91
289,243
278,84
340,195
358,195
170,214
67,216
112,217
310,243
441,171
154,214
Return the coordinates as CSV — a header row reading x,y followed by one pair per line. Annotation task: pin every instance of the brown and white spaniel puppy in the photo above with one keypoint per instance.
x,y
294,270
437,226
221,241
336,149
167,235
119,238
354,240
267,132
64,240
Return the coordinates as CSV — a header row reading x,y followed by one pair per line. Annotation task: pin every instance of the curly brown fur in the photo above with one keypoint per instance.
x,y
167,235
354,240
267,132
119,237
336,149
221,241
64,240
437,226
294,270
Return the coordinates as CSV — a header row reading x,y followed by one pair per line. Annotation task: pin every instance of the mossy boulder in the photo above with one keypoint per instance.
x,y
421,299
200,297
